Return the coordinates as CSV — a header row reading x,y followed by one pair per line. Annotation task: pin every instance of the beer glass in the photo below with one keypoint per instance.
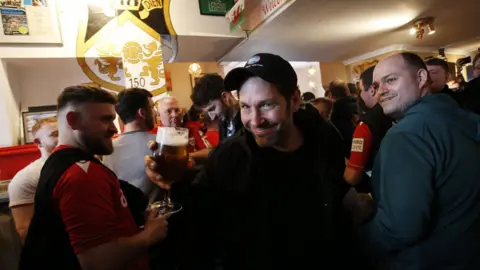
x,y
172,161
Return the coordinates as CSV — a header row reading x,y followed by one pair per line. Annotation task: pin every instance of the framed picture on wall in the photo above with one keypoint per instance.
x,y
30,22
29,119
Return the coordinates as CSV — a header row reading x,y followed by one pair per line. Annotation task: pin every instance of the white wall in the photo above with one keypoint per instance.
x,y
38,82
41,81
303,76
9,111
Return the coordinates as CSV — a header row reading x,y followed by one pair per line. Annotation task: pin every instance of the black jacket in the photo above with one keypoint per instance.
x,y
379,124
230,224
342,118
471,96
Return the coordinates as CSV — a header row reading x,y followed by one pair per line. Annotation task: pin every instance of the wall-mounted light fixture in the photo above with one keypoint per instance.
x,y
195,69
420,25
312,71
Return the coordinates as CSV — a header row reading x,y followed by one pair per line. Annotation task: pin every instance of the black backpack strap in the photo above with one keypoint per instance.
x,y
47,245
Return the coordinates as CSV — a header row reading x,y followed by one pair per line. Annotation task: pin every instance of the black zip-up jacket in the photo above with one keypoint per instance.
x,y
229,210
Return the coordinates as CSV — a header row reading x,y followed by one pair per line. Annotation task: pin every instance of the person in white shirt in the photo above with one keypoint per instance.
x,y
135,109
21,190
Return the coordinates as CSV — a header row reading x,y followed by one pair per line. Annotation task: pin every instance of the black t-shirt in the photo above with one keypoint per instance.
x,y
294,202
342,118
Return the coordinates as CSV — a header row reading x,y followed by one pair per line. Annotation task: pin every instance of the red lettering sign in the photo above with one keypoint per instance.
x,y
269,6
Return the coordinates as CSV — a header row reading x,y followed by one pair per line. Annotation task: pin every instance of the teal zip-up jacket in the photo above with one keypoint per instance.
x,y
426,182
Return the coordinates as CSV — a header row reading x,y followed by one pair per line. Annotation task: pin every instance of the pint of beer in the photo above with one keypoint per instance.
x,y
172,155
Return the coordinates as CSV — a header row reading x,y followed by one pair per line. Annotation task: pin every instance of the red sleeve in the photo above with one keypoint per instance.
x,y
199,144
87,208
154,130
361,147
213,137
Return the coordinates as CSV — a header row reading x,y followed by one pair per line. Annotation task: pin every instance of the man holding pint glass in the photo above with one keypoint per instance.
x,y
171,156
270,197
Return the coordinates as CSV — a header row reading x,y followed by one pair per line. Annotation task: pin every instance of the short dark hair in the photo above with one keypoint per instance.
x,y
339,89
308,96
323,100
414,61
208,88
438,62
129,101
79,94
352,88
366,78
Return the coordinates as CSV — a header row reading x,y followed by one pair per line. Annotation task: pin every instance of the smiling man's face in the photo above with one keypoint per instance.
x,y
265,112
398,86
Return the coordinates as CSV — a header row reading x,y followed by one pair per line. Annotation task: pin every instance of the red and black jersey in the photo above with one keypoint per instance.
x,y
78,206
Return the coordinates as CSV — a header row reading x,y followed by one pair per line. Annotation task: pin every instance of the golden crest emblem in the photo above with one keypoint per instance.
x,y
126,50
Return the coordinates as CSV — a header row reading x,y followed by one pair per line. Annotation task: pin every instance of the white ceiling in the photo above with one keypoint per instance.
x,y
337,30
204,49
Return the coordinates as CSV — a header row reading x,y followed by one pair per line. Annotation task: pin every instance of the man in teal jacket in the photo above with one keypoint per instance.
x,y
426,178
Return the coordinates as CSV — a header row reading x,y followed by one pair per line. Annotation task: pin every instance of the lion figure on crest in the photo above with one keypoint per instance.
x,y
110,60
154,60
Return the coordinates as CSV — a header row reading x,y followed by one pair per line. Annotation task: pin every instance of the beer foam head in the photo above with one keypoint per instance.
x,y
172,136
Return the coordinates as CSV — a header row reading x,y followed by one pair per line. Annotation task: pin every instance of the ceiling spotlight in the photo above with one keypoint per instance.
x,y
419,26
420,32
430,28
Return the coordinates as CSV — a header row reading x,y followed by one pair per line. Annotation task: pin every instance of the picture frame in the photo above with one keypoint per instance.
x,y
30,22
29,119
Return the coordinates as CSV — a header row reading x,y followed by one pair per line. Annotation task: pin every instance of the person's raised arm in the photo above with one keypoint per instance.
x,y
204,211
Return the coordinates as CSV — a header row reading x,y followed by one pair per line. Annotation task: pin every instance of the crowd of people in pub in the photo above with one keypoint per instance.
x,y
378,175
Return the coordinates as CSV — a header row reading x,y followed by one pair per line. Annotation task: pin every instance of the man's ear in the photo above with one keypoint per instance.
x,y
74,120
296,100
142,113
423,79
37,142
371,90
